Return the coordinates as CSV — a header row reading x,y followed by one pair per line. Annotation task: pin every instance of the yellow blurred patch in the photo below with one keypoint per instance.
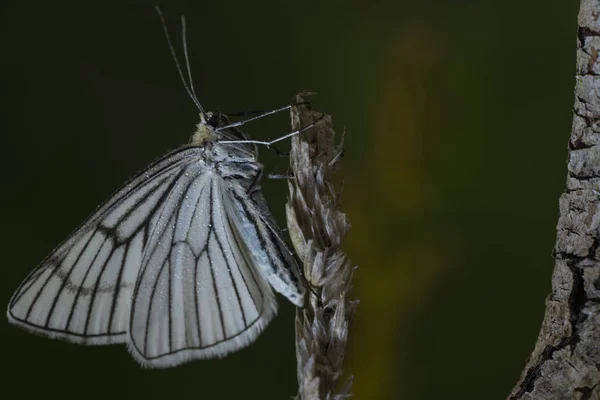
x,y
391,280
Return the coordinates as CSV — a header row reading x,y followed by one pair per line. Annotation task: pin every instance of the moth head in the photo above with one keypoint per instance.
x,y
215,127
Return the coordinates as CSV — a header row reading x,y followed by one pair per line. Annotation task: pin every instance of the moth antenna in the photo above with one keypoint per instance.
x,y
189,91
187,60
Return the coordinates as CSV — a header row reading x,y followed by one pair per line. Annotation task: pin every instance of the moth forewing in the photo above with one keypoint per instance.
x,y
178,264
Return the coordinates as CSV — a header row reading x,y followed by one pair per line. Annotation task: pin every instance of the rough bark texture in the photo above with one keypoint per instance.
x,y
565,363
317,228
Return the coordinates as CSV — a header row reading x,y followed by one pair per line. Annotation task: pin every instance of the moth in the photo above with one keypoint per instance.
x,y
179,264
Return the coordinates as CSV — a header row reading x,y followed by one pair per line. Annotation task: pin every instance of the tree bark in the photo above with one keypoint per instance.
x,y
565,363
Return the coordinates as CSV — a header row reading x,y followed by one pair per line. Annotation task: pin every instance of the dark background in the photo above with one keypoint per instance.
x,y
457,116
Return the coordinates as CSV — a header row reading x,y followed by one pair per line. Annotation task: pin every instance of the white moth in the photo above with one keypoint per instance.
x,y
178,264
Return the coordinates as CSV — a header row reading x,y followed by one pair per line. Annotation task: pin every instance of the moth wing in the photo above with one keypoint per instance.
x,y
82,291
270,250
200,293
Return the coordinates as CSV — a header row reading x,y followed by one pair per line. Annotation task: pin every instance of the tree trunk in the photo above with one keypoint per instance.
x,y
565,363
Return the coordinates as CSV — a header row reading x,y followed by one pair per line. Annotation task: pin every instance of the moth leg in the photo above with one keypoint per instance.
x,y
280,176
255,185
279,152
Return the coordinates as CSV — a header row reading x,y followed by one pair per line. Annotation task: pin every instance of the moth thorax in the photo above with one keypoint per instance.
x,y
203,132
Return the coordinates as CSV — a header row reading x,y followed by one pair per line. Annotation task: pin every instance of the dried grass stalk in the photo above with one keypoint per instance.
x,y
317,228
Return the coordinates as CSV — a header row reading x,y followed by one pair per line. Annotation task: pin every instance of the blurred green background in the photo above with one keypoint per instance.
x,y
457,116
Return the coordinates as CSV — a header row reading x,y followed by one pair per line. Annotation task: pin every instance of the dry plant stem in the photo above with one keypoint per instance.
x,y
565,363
317,229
